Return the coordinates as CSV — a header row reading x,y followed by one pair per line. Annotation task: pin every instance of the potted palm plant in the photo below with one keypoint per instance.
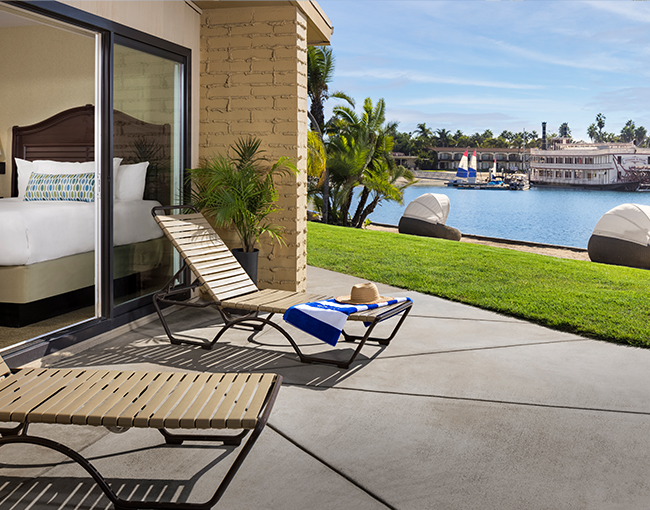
x,y
236,189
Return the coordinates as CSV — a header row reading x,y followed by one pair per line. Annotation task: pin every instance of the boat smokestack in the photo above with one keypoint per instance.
x,y
544,146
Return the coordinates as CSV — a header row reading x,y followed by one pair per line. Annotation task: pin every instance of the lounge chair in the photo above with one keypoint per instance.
x,y
217,272
119,399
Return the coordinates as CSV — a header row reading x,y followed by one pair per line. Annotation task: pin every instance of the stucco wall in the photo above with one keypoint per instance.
x,y
44,70
254,82
173,20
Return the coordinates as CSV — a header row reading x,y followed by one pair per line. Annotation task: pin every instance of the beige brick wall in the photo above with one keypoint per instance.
x,y
253,81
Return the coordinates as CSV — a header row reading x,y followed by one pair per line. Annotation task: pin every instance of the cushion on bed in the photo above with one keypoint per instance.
x,y
130,181
63,187
41,166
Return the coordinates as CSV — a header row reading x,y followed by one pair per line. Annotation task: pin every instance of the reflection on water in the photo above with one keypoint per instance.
x,y
564,217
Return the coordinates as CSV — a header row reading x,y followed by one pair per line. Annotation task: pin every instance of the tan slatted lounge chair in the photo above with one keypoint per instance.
x,y
217,272
123,399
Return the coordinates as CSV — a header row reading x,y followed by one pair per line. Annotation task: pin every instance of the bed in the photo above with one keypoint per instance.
x,y
47,259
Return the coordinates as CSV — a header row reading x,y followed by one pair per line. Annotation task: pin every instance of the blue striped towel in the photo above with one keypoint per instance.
x,y
325,319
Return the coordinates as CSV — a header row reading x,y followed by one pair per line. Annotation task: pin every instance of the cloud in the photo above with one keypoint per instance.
x,y
591,61
629,99
508,103
410,76
634,11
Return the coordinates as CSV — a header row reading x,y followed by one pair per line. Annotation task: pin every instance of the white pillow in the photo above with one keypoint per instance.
x,y
130,181
63,167
42,166
25,169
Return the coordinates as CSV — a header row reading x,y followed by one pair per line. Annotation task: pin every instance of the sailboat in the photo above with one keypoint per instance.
x,y
493,182
471,175
462,172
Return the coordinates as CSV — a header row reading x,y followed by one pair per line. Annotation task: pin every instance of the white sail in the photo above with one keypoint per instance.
x,y
471,176
493,170
461,173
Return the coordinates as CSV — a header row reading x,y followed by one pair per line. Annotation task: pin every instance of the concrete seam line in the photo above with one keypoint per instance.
x,y
490,401
332,468
489,348
506,319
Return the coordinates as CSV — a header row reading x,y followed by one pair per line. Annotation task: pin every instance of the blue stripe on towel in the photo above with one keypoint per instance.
x,y
325,319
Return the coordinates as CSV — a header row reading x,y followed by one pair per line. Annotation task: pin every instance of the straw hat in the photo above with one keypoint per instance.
x,y
363,294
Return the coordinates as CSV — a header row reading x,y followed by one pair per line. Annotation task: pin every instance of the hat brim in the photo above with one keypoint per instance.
x,y
347,300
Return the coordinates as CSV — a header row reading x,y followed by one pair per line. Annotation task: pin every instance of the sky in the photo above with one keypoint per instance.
x,y
495,64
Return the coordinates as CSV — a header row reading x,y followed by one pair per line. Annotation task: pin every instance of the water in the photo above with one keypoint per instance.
x,y
565,217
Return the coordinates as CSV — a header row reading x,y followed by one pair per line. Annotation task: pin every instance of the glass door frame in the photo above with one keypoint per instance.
x,y
184,146
110,33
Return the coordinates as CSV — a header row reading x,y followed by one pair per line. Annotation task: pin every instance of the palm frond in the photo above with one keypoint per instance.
x,y
239,190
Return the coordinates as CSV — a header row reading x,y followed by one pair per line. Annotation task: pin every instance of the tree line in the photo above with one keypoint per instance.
x,y
423,141
629,133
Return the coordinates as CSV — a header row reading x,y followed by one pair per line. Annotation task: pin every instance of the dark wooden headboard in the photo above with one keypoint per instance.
x,y
70,136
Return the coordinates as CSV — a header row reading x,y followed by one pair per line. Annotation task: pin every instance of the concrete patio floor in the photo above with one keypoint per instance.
x,y
466,409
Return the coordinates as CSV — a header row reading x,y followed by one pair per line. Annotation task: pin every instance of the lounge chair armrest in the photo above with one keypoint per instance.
x,y
381,314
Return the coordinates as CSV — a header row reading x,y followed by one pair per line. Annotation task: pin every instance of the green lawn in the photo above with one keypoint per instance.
x,y
595,300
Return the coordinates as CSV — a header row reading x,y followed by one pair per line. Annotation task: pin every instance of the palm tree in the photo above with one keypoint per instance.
x,y
316,168
595,130
600,122
320,71
444,137
592,132
360,154
565,130
424,132
384,182
640,136
348,157
627,132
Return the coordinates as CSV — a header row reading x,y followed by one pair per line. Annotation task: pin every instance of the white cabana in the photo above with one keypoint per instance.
x,y
430,207
622,237
627,222
426,216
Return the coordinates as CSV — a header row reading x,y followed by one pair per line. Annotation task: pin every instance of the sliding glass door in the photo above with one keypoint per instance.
x,y
148,137
48,208
96,106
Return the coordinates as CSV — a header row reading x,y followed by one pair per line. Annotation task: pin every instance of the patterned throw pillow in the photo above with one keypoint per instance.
x,y
65,187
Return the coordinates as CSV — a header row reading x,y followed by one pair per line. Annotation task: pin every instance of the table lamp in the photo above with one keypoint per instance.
x,y
2,159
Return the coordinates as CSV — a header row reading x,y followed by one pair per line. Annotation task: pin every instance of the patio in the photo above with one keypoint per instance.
x,y
465,409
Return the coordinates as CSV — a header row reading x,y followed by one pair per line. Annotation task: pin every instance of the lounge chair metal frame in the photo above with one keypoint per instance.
x,y
196,241
120,399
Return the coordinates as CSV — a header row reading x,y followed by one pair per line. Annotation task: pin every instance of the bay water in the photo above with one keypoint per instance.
x,y
564,217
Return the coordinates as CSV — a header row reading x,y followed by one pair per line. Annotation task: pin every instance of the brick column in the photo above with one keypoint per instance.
x,y
254,82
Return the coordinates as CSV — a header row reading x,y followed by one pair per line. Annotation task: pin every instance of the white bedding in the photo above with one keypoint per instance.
x,y
32,232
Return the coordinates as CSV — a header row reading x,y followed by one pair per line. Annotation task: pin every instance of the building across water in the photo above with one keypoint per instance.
x,y
447,158
613,166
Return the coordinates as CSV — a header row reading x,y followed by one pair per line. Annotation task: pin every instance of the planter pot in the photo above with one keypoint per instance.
x,y
247,260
